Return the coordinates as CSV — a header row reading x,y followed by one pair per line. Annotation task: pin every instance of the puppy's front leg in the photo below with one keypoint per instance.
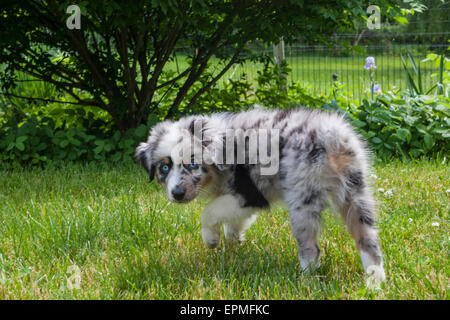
x,y
223,209
210,231
212,218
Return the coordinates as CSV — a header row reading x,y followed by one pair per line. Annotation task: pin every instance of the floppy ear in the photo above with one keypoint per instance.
x,y
143,153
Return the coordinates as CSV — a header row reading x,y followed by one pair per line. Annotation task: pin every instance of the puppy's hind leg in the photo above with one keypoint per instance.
x,y
358,212
305,209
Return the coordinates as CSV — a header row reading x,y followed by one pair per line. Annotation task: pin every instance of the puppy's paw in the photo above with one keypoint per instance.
x,y
375,276
233,235
212,244
211,238
309,259
309,266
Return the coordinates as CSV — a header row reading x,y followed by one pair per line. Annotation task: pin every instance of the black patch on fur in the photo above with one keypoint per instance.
x,y
355,180
297,130
142,156
257,124
192,126
281,145
315,153
205,143
162,132
366,217
311,197
283,127
191,129
316,215
281,115
244,185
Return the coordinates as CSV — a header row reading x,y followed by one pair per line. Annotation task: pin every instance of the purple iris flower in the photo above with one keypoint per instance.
x,y
370,63
376,88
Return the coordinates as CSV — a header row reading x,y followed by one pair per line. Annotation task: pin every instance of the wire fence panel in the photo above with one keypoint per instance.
x,y
314,65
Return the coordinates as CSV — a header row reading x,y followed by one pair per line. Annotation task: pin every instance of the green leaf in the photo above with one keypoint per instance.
x,y
441,73
370,134
10,146
388,146
116,156
98,149
75,142
21,139
141,131
421,128
41,146
20,146
401,19
413,63
429,141
409,79
152,120
359,123
416,152
89,138
442,108
404,134
376,140
410,120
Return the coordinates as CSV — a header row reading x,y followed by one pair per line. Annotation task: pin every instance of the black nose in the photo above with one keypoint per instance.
x,y
178,193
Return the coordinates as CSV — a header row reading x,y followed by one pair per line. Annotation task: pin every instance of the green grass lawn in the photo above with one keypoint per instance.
x,y
103,232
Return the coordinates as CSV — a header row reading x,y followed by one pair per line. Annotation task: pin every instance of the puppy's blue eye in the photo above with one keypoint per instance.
x,y
165,168
193,166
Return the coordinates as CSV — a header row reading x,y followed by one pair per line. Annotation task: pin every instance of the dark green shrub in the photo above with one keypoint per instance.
x,y
40,142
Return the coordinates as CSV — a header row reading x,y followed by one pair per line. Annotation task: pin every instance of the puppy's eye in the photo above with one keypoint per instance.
x,y
165,168
193,166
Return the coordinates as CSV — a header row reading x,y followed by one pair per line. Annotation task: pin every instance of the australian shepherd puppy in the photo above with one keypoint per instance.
x,y
247,161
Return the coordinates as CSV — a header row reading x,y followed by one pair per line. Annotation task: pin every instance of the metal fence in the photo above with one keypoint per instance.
x,y
314,65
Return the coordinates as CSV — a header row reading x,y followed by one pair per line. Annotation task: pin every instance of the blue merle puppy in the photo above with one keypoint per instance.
x,y
316,157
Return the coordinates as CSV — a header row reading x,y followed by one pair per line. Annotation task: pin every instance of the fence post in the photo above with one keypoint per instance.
x,y
279,57
278,52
